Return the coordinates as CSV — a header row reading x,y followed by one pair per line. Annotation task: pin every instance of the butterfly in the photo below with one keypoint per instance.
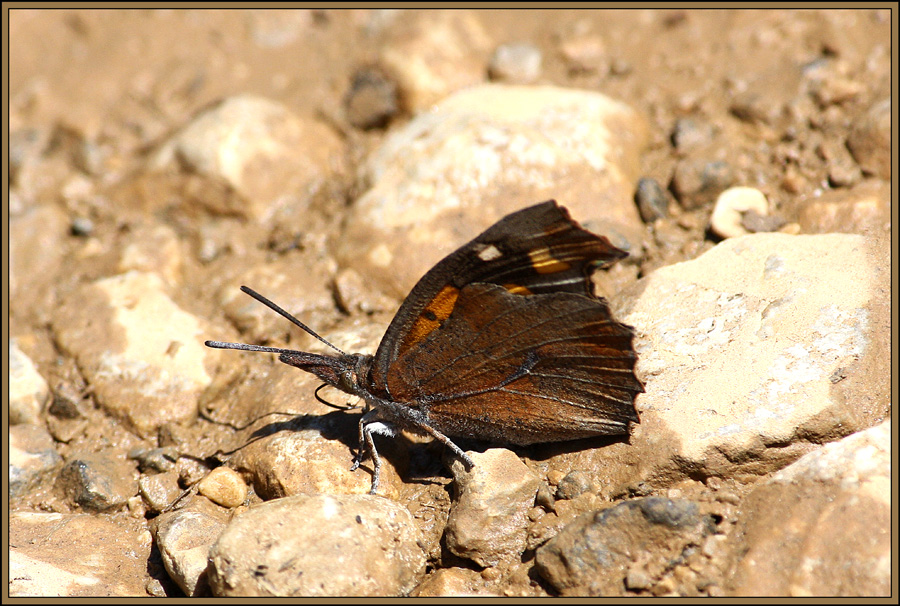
x,y
503,340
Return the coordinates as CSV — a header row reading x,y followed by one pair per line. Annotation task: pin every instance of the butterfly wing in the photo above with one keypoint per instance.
x,y
509,368
537,250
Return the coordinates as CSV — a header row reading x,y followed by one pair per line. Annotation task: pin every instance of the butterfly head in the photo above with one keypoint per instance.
x,y
343,372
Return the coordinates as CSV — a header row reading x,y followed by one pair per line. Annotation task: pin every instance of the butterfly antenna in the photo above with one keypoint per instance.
x,y
285,314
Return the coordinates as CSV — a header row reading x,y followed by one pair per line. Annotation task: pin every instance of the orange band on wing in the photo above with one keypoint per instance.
x,y
431,318
517,289
544,263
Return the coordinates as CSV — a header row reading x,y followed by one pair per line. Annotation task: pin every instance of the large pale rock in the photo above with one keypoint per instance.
x,y
255,146
741,350
821,526
593,554
481,154
32,457
142,354
487,522
184,539
28,391
61,555
319,545
432,54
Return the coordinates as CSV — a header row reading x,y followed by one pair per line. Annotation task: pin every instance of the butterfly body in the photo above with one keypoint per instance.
x,y
503,341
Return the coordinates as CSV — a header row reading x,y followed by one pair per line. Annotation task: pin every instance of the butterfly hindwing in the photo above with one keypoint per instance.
x,y
552,367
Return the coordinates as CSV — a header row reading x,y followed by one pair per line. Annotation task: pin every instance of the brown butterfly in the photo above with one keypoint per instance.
x,y
503,340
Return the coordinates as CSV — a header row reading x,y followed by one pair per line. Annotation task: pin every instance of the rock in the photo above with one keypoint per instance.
x,y
310,460
697,182
253,145
81,227
155,459
294,282
32,457
98,482
480,154
515,63
755,223
317,546
488,521
835,89
185,539
36,252
153,249
863,209
651,200
870,140
28,391
842,169
431,54
821,526
727,215
372,99
451,582
159,490
574,484
764,100
354,296
583,50
224,486
737,349
66,419
593,554
689,134
63,555
143,355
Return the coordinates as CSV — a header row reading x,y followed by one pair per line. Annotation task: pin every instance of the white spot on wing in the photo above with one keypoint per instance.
x,y
490,253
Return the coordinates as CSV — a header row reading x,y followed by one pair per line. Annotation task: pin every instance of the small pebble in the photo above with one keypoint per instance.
x,y
82,226
159,490
491,573
97,481
516,63
730,207
637,580
544,497
651,200
28,391
755,222
689,133
554,477
224,486
372,99
869,140
574,484
697,182
155,459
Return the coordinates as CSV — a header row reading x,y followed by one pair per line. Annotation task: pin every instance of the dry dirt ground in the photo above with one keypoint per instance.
x,y
789,102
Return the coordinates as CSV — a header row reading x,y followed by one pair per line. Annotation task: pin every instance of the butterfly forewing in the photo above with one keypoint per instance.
x,y
537,250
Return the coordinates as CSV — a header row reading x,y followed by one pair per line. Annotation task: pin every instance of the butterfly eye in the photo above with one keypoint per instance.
x,y
347,382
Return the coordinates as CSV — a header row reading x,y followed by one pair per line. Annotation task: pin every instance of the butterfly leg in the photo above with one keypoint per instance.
x,y
449,444
369,426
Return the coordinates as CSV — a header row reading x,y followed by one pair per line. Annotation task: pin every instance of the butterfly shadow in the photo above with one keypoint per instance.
x,y
548,450
415,462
